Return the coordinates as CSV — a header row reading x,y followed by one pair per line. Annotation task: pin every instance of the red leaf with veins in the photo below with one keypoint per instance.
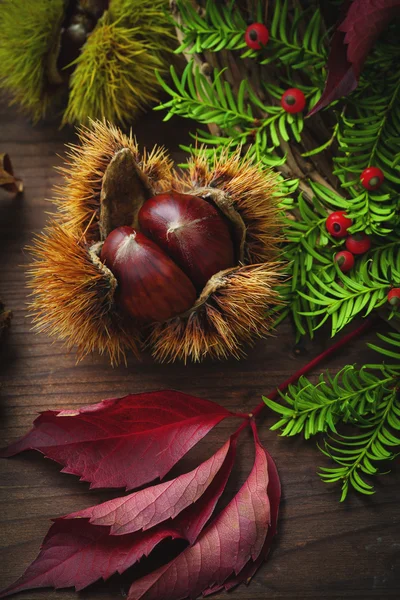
x,y
274,495
77,553
353,39
236,536
122,442
148,507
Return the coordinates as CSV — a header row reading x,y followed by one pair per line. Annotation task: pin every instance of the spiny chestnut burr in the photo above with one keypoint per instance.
x,y
151,287
191,231
77,289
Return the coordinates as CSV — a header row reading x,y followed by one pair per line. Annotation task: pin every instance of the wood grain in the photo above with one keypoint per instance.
x,y
324,549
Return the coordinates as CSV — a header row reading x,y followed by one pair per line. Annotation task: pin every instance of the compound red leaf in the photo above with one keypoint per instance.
x,y
152,505
274,495
363,22
236,536
77,552
122,442
191,521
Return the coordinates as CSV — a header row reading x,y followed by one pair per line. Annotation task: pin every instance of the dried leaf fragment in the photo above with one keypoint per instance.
x,y
7,178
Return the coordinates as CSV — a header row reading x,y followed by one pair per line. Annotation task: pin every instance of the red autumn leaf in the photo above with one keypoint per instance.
x,y
353,39
236,536
153,505
192,520
77,553
274,495
122,442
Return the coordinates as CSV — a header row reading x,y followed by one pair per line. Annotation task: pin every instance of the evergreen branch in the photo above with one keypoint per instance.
x,y
393,339
287,48
368,398
356,454
220,28
341,297
371,136
223,28
317,290
242,118
313,409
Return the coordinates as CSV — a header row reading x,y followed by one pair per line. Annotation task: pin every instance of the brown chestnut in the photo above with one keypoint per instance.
x,y
191,231
151,287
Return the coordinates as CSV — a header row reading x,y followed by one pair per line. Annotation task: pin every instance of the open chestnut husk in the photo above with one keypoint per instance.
x,y
143,256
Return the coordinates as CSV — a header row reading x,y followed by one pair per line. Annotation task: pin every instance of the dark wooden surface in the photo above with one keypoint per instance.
x,y
324,549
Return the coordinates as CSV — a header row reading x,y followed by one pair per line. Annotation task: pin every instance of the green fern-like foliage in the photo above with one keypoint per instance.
x,y
222,27
343,297
29,38
242,118
368,398
370,135
113,76
318,291
365,130
219,28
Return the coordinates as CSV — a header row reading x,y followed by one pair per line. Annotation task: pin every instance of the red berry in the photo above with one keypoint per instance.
x,y
256,36
337,224
293,100
372,178
345,260
394,297
358,243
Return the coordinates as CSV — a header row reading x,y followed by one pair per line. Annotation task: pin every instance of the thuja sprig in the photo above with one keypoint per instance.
x,y
367,398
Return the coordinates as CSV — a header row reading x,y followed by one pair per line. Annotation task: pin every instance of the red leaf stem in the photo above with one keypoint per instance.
x,y
313,363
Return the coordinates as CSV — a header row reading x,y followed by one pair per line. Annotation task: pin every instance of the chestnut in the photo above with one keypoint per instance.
x,y
191,231
120,291
151,287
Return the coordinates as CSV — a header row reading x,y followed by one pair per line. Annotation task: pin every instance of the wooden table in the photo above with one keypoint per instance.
x,y
324,549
